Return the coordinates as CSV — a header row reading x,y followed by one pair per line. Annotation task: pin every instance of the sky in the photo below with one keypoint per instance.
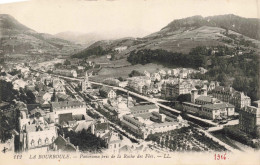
x,y
134,18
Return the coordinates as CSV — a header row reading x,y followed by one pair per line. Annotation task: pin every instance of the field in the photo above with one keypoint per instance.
x,y
183,41
124,71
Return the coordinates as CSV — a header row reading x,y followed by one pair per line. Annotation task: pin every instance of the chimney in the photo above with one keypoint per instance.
x,y
68,139
127,98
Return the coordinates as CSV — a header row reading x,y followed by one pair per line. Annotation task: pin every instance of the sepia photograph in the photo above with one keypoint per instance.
x,y
130,82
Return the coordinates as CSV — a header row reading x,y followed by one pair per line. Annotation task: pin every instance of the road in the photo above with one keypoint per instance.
x,y
219,141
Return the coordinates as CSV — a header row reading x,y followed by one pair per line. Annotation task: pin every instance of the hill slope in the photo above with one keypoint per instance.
x,y
15,38
246,26
184,34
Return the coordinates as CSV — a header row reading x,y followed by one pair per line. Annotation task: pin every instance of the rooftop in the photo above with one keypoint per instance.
x,y
218,106
205,98
143,115
154,125
143,107
63,144
33,128
252,109
188,103
37,110
66,104
102,126
65,118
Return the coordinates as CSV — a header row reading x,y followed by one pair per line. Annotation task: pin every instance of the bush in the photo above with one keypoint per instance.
x,y
135,73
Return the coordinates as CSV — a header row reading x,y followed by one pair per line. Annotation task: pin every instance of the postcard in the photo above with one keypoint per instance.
x,y
129,82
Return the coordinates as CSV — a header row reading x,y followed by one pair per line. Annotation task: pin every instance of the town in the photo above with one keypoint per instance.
x,y
55,105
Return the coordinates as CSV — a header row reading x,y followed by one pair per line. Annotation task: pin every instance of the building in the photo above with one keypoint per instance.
x,y
175,72
64,72
146,73
140,109
207,106
142,126
249,120
212,85
36,133
63,144
144,120
121,48
74,107
202,70
137,83
228,94
114,142
67,120
58,85
107,92
173,90
155,77
102,129
162,73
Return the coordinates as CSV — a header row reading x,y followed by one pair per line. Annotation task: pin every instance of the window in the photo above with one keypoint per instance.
x,y
47,141
39,142
32,143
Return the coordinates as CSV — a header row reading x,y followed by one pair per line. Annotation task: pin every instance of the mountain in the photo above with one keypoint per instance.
x,y
87,39
15,38
184,34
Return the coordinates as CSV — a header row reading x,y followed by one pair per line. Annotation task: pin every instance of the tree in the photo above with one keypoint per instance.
x,y
184,98
121,79
30,97
66,62
7,93
113,57
223,79
53,96
57,65
135,73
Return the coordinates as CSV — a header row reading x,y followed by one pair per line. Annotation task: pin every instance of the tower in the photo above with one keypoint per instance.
x,y
85,83
194,94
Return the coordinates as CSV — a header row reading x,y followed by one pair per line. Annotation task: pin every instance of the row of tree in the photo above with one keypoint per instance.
x,y
167,58
98,51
